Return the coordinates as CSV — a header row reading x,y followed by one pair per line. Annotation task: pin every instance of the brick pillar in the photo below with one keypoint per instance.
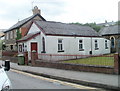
x,y
26,58
33,57
116,63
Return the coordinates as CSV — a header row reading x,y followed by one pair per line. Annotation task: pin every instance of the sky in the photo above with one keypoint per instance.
x,y
66,11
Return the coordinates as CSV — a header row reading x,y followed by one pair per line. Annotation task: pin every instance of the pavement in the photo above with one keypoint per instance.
x,y
107,81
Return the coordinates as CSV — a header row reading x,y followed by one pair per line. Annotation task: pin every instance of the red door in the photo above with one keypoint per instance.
x,y
34,48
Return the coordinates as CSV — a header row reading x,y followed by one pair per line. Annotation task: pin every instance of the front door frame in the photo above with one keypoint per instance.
x,y
36,49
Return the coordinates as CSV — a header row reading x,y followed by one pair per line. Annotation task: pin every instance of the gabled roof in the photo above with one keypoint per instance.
x,y
28,37
63,29
110,30
22,22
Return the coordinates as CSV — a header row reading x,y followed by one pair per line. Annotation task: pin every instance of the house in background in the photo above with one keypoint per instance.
x,y
47,37
22,27
2,34
112,33
106,24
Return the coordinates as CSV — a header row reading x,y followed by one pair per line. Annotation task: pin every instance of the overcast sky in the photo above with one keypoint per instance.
x,y
65,11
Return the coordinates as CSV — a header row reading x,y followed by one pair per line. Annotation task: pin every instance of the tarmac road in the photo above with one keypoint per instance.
x,y
22,80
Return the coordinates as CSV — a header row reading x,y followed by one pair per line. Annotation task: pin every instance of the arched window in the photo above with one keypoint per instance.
x,y
112,42
43,45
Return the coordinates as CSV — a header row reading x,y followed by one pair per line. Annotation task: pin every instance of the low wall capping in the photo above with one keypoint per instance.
x,y
76,67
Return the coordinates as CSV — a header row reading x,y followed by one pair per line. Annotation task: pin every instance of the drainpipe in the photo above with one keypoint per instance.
x,y
91,47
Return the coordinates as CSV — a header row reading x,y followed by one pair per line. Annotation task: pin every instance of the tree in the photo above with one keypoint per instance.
x,y
19,35
93,25
77,23
118,22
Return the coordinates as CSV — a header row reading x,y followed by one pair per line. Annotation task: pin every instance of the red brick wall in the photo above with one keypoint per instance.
x,y
76,67
10,53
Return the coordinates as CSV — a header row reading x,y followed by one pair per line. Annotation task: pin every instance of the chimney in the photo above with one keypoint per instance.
x,y
36,10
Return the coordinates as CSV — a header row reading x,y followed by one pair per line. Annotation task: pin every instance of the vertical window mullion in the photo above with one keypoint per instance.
x,y
106,47
80,45
96,44
60,45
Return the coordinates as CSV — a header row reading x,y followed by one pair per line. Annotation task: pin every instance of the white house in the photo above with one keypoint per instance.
x,y
61,40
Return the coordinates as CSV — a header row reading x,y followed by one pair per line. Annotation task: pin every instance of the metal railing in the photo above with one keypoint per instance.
x,y
98,60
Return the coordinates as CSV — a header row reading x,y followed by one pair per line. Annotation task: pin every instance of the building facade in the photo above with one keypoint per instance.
x,y
21,26
112,33
57,38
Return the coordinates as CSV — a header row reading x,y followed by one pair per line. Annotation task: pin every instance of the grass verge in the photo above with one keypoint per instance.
x,y
101,61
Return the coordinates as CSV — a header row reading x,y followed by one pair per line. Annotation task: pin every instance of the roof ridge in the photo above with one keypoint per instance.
x,y
54,28
62,23
22,22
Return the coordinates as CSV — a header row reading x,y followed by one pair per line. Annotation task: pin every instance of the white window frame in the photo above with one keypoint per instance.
x,y
106,44
20,48
112,42
60,45
81,45
96,45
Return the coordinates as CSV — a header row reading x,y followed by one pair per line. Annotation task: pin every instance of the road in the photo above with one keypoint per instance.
x,y
22,80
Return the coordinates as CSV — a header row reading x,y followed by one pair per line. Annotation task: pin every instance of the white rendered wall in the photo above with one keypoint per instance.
x,y
70,45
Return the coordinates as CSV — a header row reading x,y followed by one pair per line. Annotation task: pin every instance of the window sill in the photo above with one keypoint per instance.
x,y
96,48
81,49
61,51
106,48
43,52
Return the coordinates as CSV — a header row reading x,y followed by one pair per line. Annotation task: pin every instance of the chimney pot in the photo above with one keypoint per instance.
x,y
36,10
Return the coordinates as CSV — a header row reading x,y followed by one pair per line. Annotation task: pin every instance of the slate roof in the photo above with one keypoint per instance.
x,y
57,28
28,37
110,30
22,22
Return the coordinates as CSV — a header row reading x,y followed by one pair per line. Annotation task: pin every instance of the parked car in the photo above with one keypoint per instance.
x,y
5,84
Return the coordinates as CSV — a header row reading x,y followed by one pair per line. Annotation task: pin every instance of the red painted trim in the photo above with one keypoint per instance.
x,y
28,38
76,55
71,35
39,27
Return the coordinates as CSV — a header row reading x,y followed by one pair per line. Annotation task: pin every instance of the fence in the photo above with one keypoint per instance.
x,y
99,60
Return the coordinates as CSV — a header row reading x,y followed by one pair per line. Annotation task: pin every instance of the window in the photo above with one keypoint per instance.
x,y
43,45
81,45
7,36
11,47
23,47
118,43
20,48
15,34
112,42
11,34
60,45
106,46
96,45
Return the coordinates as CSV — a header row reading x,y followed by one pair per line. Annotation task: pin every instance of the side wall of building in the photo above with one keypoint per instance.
x,y
70,45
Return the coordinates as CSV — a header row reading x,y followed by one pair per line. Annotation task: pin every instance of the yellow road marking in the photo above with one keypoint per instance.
x,y
53,80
